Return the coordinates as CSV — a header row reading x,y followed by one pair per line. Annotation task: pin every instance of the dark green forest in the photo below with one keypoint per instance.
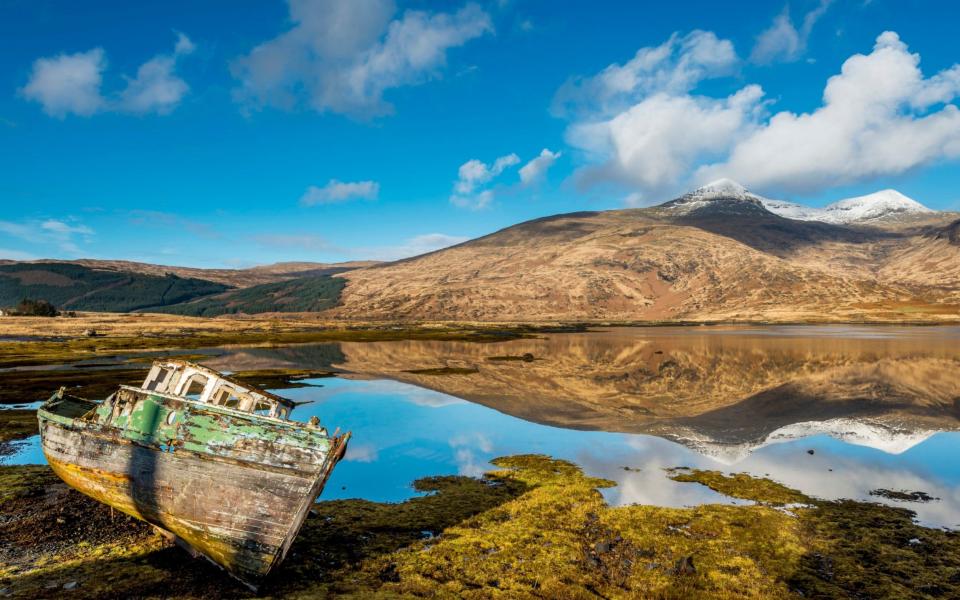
x,y
75,287
307,294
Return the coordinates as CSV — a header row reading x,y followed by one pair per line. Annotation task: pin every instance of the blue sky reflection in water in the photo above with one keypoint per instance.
x,y
403,432
877,406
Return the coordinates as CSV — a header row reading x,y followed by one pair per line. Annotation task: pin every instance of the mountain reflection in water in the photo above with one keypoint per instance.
x,y
877,406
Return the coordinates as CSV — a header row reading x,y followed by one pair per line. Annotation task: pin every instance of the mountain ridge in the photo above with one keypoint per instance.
x,y
717,253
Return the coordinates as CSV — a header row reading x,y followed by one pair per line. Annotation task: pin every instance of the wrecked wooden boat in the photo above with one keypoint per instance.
x,y
214,464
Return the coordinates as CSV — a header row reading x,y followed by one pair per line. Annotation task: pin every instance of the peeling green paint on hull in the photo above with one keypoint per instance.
x,y
232,486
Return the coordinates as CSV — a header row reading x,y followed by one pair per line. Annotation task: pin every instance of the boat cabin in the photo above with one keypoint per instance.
x,y
200,384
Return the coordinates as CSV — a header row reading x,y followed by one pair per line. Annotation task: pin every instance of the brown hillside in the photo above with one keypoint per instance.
x,y
729,260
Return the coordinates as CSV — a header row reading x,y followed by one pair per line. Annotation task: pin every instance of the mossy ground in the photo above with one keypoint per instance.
x,y
535,528
122,334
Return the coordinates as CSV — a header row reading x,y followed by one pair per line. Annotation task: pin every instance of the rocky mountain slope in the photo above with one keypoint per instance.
x,y
719,252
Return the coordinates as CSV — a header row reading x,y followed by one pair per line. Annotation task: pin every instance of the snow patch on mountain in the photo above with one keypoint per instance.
x,y
873,206
722,195
726,194
890,439
879,205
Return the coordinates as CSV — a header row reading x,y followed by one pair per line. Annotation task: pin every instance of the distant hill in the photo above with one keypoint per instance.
x,y
306,294
717,253
77,287
125,286
238,278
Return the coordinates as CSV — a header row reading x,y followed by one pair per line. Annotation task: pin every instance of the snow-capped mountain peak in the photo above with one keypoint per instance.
x,y
721,188
872,206
722,195
725,196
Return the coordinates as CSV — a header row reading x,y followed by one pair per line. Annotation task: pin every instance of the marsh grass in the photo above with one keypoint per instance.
x,y
539,528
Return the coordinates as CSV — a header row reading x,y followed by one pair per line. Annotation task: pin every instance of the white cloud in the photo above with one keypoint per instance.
x,y
71,84
466,447
364,453
878,118
184,45
430,242
157,218
340,191
342,55
415,246
9,254
300,241
475,174
652,145
476,201
67,83
55,227
63,235
782,41
538,167
674,67
156,88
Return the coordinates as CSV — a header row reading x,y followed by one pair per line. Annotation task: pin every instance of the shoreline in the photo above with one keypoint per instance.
x,y
531,527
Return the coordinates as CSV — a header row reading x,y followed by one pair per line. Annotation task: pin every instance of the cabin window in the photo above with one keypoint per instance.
x,y
194,388
159,380
263,409
282,413
233,401
171,418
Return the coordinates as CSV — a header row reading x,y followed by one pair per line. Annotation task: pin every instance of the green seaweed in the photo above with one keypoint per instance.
x,y
539,528
743,486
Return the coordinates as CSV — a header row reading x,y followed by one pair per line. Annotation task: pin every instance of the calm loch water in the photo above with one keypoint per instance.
x,y
832,411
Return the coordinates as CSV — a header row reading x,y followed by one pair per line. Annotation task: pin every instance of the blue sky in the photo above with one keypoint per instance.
x,y
231,134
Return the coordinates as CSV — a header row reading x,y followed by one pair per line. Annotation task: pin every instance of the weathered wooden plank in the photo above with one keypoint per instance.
x,y
235,488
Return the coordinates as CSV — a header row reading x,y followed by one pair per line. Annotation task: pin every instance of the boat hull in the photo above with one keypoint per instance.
x,y
242,516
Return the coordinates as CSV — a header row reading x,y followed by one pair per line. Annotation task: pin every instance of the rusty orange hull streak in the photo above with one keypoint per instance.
x,y
239,516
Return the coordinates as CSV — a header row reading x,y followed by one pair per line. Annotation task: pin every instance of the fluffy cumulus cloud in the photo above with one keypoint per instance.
x,y
674,67
535,170
473,175
340,191
650,132
342,55
67,83
72,84
782,41
157,88
880,116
